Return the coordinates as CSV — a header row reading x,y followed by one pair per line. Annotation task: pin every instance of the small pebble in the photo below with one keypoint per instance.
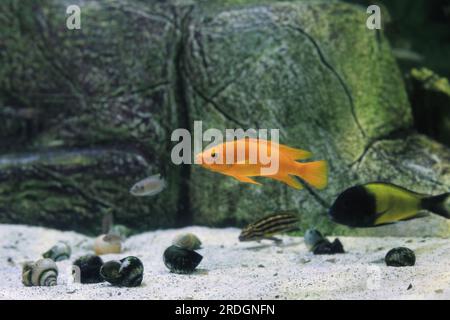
x,y
410,286
261,266
439,291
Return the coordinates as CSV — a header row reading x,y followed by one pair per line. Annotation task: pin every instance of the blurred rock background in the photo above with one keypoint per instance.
x,y
86,113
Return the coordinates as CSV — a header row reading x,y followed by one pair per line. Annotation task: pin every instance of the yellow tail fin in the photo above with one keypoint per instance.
x,y
314,173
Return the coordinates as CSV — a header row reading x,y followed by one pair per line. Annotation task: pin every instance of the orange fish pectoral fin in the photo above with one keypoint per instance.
x,y
314,173
246,179
289,180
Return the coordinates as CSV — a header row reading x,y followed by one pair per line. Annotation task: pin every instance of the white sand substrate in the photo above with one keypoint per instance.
x,y
234,270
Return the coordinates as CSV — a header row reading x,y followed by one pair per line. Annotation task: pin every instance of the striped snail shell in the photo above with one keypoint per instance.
x,y
180,260
60,251
187,241
43,272
107,243
127,272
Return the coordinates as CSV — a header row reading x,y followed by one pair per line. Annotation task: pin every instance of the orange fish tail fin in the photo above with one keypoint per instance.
x,y
314,173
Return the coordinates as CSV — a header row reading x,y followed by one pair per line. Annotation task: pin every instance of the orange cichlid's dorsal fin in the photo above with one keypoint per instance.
x,y
294,154
285,151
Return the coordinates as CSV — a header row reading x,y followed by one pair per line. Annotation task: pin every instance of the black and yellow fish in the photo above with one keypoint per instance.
x,y
270,225
378,203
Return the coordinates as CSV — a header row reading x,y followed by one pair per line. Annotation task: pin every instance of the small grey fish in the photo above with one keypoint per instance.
x,y
266,227
148,186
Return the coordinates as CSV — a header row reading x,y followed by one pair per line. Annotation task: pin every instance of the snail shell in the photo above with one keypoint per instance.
x,y
43,272
60,251
327,247
87,268
120,230
312,238
400,257
127,272
180,260
187,241
107,243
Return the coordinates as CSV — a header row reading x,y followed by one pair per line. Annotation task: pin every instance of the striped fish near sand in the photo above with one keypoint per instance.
x,y
265,228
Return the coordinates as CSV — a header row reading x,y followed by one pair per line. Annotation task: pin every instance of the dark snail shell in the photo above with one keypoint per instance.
x,y
312,238
187,241
327,247
127,272
400,257
86,269
43,272
180,260
60,251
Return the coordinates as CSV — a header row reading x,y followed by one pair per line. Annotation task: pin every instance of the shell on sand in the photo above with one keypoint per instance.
x,y
107,243
187,241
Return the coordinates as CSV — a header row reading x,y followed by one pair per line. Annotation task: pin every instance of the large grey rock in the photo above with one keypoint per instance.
x,y
330,85
138,70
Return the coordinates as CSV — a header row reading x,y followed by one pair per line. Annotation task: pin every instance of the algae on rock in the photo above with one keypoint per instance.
x,y
430,96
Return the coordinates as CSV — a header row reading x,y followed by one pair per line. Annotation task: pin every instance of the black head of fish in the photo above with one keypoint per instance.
x,y
355,207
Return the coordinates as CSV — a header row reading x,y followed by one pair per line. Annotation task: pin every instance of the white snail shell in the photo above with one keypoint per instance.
x,y
187,241
107,243
43,272
60,251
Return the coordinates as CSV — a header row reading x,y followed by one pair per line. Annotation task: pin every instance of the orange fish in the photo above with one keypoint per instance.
x,y
241,160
